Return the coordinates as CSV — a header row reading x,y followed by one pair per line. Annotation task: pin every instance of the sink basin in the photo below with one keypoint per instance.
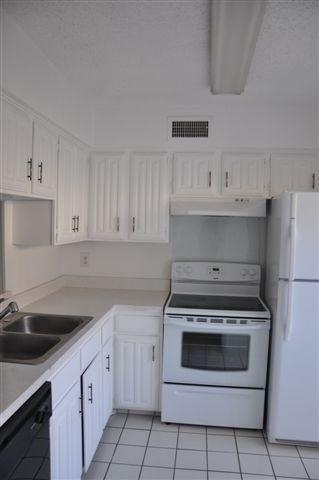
x,y
45,324
25,348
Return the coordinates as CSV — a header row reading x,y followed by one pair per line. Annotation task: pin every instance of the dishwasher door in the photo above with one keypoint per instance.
x,y
25,439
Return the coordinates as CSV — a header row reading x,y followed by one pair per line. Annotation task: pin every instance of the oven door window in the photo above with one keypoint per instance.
x,y
215,351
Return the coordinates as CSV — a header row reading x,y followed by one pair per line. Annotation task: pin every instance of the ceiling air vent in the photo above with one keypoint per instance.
x,y
188,128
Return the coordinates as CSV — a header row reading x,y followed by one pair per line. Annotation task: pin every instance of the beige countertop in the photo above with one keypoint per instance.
x,y
18,382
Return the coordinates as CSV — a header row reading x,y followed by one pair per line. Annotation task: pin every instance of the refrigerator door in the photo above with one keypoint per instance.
x,y
299,250
294,373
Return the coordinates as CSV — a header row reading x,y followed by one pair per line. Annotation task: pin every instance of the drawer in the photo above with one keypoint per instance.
x,y
107,330
65,379
138,324
90,349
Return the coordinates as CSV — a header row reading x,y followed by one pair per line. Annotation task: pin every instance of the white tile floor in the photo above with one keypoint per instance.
x,y
140,447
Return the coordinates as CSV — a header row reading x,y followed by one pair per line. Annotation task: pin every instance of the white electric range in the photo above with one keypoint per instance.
x,y
215,352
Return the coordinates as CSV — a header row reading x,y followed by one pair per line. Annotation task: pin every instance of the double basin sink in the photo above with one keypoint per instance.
x,y
32,338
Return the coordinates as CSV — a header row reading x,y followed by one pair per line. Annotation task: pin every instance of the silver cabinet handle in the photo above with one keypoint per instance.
x,y
153,353
313,181
29,169
226,179
40,175
108,366
133,224
117,224
73,224
210,179
90,387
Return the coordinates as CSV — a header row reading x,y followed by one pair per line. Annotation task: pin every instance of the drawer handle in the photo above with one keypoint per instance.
x,y
210,179
90,393
313,181
153,353
227,179
40,168
133,224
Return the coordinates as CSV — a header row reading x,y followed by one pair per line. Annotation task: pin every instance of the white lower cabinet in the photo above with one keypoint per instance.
x,y
107,381
137,372
91,405
66,437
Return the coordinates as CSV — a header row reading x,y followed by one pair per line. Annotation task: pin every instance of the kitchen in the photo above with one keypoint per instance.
x,y
141,254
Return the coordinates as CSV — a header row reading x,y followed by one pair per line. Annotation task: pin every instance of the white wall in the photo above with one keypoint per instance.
x,y
27,267
29,75
238,121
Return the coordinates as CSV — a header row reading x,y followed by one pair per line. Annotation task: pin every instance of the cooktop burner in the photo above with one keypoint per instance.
x,y
216,302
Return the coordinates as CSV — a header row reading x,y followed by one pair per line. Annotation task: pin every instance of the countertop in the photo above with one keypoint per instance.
x,y
18,382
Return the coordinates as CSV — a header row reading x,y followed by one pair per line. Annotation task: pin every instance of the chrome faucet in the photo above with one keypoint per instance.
x,y
11,308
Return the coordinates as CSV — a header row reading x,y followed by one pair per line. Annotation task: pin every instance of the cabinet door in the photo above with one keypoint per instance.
x,y
149,200
16,144
91,398
108,202
137,372
66,437
44,156
294,172
243,174
195,174
107,381
65,216
80,194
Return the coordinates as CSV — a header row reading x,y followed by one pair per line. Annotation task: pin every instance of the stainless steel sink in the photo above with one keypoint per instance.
x,y
47,324
25,348
32,338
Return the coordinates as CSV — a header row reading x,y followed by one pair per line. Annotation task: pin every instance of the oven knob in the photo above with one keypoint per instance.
x,y
252,272
179,270
188,270
244,272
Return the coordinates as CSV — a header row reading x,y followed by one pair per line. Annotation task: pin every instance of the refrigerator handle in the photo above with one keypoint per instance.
x,y
288,327
293,234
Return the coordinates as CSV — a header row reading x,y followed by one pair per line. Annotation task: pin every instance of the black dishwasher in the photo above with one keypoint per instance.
x,y
25,439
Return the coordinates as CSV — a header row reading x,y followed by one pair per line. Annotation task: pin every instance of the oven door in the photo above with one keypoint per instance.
x,y
213,354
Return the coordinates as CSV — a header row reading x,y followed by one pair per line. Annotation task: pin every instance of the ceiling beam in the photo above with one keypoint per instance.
x,y
235,25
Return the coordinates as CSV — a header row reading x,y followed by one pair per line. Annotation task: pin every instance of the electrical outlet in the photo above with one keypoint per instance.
x,y
84,259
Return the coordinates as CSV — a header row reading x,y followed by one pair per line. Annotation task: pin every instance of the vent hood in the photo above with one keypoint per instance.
x,y
219,207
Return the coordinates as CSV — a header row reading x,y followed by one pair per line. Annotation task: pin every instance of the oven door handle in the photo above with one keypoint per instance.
x,y
217,327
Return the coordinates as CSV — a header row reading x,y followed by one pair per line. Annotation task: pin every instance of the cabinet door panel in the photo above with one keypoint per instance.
x,y
16,132
108,197
243,174
66,159
92,400
107,374
195,174
294,172
149,207
44,155
137,372
66,437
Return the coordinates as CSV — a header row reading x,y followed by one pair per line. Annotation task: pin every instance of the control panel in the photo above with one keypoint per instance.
x,y
216,272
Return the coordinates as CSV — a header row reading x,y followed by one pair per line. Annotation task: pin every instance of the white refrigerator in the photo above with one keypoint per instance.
x,y
292,293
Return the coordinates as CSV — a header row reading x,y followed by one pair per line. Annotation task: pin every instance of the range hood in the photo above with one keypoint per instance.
x,y
219,207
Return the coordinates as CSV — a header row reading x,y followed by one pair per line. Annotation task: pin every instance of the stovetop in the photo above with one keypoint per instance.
x,y
216,302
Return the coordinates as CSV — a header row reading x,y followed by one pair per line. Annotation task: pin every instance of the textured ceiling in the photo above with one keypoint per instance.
x,y
158,47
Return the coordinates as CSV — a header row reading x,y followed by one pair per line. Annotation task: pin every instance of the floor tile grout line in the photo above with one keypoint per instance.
x,y
238,458
175,458
146,446
104,478
304,466
271,464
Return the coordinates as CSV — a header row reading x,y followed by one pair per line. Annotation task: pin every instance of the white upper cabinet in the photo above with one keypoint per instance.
x,y
294,172
44,159
16,150
108,206
149,199
71,215
195,174
244,174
